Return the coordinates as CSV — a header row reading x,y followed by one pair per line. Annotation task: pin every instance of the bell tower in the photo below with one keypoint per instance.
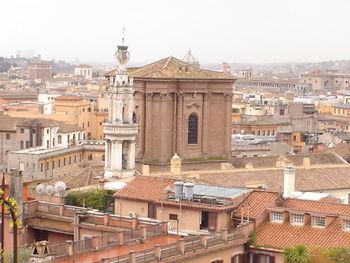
x,y
120,130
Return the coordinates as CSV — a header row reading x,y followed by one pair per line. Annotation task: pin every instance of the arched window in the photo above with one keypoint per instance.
x,y
59,139
192,129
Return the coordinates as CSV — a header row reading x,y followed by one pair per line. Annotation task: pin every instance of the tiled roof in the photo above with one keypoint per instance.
x,y
145,188
173,68
286,235
281,235
312,179
255,204
316,206
297,160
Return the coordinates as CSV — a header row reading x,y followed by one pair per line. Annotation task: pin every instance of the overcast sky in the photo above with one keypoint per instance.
x,y
252,31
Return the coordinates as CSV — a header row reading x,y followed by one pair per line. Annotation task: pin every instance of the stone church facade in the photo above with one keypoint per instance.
x,y
180,108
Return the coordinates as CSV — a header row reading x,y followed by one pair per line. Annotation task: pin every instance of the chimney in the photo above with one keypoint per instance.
x,y
306,162
288,181
175,165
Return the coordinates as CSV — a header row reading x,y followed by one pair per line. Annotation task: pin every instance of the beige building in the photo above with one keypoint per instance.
x,y
39,69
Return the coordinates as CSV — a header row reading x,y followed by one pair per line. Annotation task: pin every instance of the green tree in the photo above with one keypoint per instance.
x,y
297,254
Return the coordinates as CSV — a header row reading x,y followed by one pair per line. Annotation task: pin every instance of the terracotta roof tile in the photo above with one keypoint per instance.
x,y
316,206
281,235
145,188
257,201
286,235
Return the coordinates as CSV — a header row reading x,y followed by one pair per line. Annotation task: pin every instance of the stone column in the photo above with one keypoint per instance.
x,y
116,156
119,109
114,108
131,155
107,146
131,105
69,247
110,108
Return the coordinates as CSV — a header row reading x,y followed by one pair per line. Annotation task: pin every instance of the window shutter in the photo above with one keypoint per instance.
x,y
272,259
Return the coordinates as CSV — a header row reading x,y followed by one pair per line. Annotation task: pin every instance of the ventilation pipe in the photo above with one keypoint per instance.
x,y
188,190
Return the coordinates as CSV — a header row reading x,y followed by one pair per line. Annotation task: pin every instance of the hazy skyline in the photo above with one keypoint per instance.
x,y
251,31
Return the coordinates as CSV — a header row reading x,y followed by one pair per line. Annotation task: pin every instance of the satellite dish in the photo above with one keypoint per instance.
x,y
60,187
40,189
49,190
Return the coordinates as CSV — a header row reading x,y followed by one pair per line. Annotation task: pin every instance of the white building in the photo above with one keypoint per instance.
x,y
47,102
120,130
83,70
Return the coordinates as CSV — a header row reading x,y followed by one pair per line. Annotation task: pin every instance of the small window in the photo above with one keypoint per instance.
x,y
27,144
47,166
277,217
75,159
22,130
173,217
346,225
47,131
88,124
70,160
53,165
90,157
64,161
83,109
59,163
41,167
318,221
22,144
59,139
8,136
103,157
297,219
89,109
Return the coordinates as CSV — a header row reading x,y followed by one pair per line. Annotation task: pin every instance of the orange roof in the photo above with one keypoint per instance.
x,y
317,206
281,235
286,235
257,201
145,188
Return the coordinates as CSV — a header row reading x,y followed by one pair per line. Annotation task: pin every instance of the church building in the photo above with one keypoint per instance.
x,y
181,108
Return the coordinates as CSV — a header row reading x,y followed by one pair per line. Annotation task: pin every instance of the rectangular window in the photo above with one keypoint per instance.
x,y
75,159
22,130
318,221
27,144
22,144
70,160
8,136
277,217
47,166
59,163
64,161
53,165
346,225
172,216
47,131
41,167
297,219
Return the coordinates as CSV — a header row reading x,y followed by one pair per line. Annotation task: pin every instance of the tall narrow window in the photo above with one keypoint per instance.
x,y
192,129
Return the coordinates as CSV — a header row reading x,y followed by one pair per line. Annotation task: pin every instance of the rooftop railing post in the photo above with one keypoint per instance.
x,y
158,252
181,245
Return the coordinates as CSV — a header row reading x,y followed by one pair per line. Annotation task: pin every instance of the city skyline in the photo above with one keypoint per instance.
x,y
250,32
